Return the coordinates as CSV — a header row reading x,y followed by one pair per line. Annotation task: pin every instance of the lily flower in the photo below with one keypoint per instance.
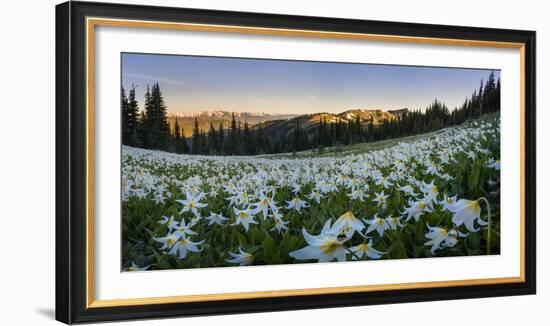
x,y
136,268
315,194
494,164
467,212
394,222
167,241
324,247
159,197
216,219
347,224
171,223
297,204
183,246
408,189
357,194
191,203
430,192
264,204
244,217
416,209
280,224
366,249
447,201
326,186
440,238
242,258
380,198
378,224
183,229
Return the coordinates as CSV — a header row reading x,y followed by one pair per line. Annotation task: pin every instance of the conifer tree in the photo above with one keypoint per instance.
x,y
221,137
184,146
124,117
132,117
212,139
176,147
147,120
196,140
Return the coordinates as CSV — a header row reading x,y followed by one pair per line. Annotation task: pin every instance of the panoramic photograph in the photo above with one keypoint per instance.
x,y
231,162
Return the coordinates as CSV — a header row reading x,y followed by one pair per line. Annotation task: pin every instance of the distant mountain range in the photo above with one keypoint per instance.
x,y
276,129
278,124
204,118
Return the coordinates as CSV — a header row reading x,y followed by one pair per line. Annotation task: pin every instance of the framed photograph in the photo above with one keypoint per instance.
x,y
212,162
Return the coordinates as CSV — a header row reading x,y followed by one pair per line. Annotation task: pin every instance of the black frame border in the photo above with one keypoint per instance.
x,y
71,161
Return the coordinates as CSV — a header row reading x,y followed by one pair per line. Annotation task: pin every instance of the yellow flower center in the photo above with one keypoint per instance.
x,y
330,246
192,204
243,215
422,205
434,189
474,207
380,221
348,216
363,248
443,232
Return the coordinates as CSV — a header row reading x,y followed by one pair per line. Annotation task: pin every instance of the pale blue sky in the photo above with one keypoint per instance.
x,y
197,83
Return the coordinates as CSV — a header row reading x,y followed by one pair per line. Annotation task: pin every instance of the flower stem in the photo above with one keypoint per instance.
x,y
352,253
488,224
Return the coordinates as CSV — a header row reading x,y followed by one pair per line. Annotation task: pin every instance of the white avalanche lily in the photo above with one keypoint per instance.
x,y
183,246
170,222
167,241
416,209
366,249
242,258
297,204
357,194
191,203
316,195
494,164
408,189
440,238
280,224
430,191
183,229
324,247
244,217
214,218
447,201
347,224
394,222
264,204
378,224
467,212
136,268
380,198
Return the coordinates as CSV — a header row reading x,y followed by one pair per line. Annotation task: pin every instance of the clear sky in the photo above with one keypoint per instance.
x,y
197,83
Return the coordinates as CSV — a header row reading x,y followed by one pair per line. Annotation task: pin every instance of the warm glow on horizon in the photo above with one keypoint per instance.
x,y
197,83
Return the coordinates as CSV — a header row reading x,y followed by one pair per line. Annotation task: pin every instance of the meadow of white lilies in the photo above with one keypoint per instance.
x,y
434,196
